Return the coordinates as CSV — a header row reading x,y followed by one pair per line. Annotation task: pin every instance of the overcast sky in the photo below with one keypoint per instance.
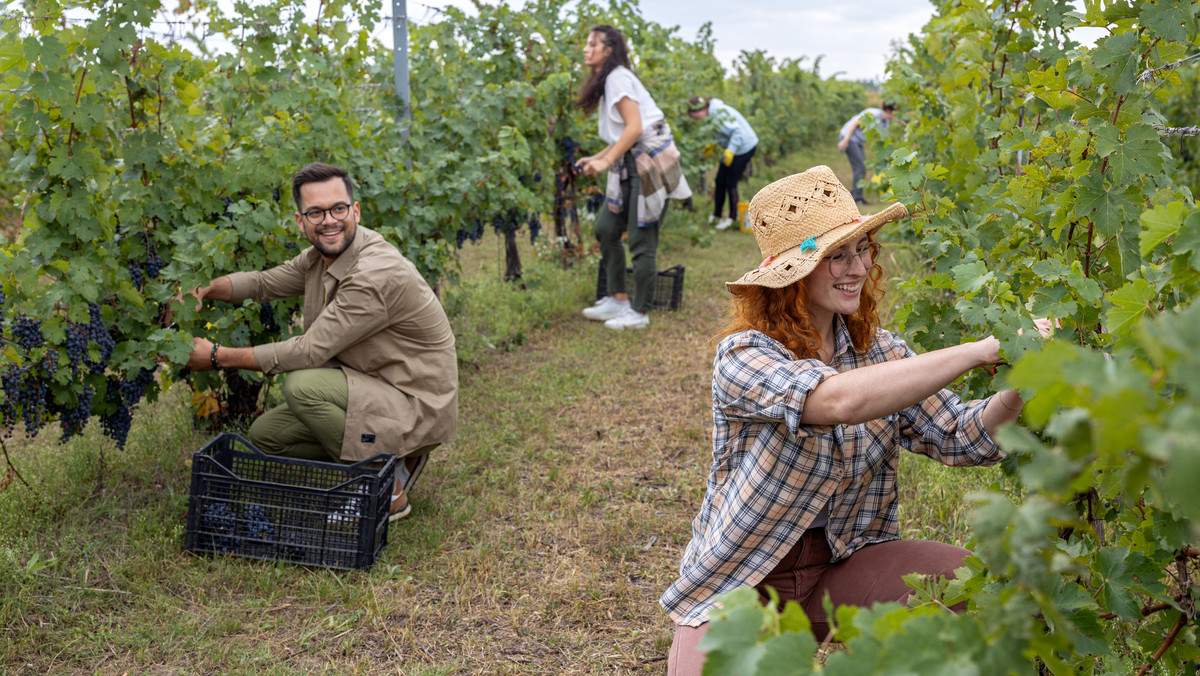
x,y
854,38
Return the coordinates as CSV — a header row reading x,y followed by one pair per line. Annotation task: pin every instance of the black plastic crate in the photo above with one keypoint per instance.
x,y
668,287
247,503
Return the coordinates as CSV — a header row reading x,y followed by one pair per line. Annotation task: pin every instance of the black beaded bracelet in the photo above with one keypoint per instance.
x,y
217,367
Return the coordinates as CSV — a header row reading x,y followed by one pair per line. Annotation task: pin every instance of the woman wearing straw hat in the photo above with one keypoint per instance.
x,y
811,403
643,171
739,141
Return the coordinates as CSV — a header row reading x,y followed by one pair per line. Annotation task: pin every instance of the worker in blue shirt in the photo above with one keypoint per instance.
x,y
738,141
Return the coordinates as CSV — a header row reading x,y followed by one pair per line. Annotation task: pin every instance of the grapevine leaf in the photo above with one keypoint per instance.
x,y
1103,205
971,277
1168,19
793,619
1160,223
787,654
1117,57
1138,153
1188,240
1087,288
732,638
1129,304
1121,572
1179,443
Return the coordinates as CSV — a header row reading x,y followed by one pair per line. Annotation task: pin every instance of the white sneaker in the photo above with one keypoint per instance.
x,y
606,308
711,219
724,223
628,319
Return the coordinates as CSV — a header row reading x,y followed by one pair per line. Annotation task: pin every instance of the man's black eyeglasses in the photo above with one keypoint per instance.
x,y
316,216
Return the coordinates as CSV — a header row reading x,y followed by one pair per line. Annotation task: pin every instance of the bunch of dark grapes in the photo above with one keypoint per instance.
x,y
27,331
266,315
24,389
26,386
74,419
3,300
119,418
570,150
154,262
135,274
258,526
220,527
121,397
593,203
474,234
132,390
97,333
535,228
50,363
506,222
11,381
76,347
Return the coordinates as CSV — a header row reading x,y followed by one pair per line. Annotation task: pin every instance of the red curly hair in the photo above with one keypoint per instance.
x,y
783,315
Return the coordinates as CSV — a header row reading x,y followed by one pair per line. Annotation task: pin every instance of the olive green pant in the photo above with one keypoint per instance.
x,y
643,245
311,422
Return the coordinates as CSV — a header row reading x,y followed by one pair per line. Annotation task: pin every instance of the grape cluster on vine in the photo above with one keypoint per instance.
x,y
25,389
535,228
74,418
135,274
266,316
473,234
154,262
27,332
121,397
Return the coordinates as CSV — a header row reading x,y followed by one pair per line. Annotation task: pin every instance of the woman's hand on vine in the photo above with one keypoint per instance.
x,y
1044,326
987,351
593,165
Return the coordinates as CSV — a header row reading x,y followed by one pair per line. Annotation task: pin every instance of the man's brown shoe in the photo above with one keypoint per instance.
x,y
400,505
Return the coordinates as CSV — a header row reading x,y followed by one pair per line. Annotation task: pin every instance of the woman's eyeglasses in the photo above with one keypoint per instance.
x,y
841,262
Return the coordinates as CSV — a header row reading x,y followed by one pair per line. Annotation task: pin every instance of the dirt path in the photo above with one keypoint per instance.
x,y
544,538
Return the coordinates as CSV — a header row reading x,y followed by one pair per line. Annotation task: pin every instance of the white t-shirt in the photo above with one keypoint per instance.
x,y
622,83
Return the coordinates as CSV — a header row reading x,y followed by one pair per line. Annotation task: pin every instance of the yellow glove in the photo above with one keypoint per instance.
x,y
727,158
708,150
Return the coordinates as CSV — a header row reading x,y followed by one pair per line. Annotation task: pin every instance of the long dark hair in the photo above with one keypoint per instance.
x,y
593,87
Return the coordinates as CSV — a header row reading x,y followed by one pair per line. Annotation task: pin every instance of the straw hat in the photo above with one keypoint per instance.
x,y
799,219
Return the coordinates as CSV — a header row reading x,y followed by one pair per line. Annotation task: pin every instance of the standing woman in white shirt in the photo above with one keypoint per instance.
x,y
638,138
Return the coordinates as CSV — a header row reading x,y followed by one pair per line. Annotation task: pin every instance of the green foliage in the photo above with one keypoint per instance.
x,y
1043,187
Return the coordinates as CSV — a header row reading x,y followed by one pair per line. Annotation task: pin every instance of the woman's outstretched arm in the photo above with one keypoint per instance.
x,y
879,390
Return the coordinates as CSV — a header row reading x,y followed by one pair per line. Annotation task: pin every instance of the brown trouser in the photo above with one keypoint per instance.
x,y
873,574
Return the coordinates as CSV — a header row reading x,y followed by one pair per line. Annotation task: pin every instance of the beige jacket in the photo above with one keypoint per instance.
x,y
372,315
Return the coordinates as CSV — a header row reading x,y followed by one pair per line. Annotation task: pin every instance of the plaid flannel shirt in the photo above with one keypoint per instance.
x,y
772,475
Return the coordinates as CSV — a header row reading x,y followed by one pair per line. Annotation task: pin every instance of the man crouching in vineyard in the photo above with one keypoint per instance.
x,y
375,369
812,402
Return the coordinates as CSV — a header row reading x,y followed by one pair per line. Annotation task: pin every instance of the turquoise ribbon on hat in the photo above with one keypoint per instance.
x,y
809,244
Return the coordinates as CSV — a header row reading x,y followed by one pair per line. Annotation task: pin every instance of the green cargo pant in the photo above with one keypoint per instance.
x,y
643,245
311,422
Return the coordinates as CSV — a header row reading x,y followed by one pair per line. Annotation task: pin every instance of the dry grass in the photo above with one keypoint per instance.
x,y
539,543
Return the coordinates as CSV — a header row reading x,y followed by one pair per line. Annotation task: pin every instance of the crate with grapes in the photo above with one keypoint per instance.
x,y
247,503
